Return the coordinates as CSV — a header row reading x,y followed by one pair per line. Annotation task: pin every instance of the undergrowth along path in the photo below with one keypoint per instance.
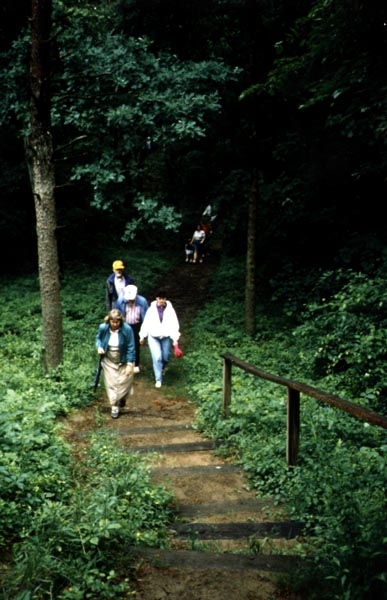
x,y
224,541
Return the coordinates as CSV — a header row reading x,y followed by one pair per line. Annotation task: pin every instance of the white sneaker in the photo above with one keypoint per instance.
x,y
136,370
158,384
115,412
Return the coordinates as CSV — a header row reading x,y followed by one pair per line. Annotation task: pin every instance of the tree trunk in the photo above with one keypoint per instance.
x,y
250,324
39,158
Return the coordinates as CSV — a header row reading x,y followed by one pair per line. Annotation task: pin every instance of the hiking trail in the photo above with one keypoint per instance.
x,y
225,543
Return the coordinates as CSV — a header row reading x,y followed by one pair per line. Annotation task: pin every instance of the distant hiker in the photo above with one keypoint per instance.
x,y
188,248
115,344
133,307
160,326
205,247
115,284
207,211
197,240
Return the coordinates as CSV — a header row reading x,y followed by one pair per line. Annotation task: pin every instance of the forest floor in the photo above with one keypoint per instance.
x,y
225,542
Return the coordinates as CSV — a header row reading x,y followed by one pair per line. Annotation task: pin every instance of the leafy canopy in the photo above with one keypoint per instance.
x,y
116,103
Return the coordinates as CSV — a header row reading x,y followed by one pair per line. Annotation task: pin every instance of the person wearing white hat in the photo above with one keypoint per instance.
x,y
133,308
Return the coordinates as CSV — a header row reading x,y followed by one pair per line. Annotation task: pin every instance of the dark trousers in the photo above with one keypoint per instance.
x,y
136,331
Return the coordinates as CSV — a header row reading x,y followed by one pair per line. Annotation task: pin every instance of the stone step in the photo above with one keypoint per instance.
x,y
204,446
194,470
246,505
140,430
235,530
192,559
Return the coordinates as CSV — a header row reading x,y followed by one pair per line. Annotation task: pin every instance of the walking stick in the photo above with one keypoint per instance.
x,y
97,374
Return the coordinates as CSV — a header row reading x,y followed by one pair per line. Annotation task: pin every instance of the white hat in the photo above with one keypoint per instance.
x,y
130,292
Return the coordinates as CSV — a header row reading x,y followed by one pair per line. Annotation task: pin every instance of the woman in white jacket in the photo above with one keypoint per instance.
x,y
160,326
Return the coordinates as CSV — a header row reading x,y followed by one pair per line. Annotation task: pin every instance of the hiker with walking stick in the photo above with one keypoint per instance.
x,y
116,347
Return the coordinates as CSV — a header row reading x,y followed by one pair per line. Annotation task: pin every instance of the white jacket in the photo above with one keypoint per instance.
x,y
151,325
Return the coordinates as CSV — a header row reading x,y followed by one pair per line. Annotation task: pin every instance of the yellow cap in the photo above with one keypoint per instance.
x,y
118,264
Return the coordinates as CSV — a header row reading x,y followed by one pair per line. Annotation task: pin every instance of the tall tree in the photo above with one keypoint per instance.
x,y
39,157
131,113
250,296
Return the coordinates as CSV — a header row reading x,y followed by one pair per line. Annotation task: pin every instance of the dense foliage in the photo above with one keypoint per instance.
x,y
326,179
320,330
122,114
157,108
328,330
66,520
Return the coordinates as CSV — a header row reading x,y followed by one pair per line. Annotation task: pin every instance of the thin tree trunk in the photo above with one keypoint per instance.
x,y
250,324
38,146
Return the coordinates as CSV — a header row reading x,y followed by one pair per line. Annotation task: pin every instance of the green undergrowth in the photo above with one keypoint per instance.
x,y
63,526
79,523
66,528
327,330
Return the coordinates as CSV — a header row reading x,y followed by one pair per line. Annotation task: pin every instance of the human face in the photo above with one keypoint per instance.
x,y
161,301
114,324
118,272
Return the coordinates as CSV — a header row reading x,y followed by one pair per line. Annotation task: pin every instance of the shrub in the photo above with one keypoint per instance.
x,y
329,331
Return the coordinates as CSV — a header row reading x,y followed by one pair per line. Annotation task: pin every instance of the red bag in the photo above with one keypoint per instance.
x,y
178,351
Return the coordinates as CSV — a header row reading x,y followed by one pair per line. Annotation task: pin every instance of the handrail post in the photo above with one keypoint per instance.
x,y
226,387
293,427
295,388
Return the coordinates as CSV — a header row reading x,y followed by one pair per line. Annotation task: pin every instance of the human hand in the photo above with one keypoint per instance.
x,y
142,341
177,351
100,350
129,369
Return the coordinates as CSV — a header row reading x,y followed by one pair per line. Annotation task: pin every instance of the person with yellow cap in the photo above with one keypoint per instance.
x,y
116,284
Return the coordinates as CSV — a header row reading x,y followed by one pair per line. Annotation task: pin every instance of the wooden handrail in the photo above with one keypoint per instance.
x,y
294,390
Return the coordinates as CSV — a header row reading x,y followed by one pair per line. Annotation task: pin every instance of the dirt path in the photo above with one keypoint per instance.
x,y
218,519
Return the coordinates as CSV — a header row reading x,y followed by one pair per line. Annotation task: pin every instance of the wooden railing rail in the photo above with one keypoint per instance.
x,y
293,415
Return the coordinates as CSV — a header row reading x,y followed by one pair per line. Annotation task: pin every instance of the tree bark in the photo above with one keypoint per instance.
x,y
250,299
39,156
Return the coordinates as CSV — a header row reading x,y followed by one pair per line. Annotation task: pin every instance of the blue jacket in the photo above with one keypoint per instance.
x,y
111,295
125,341
139,301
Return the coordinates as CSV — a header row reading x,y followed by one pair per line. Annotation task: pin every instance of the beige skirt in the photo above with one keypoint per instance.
x,y
118,385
